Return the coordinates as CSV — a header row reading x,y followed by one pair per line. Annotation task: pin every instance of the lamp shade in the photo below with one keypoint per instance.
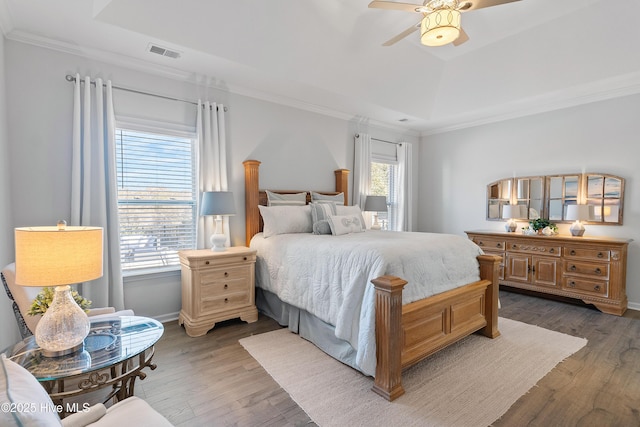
x,y
375,204
510,211
51,256
579,212
440,27
217,203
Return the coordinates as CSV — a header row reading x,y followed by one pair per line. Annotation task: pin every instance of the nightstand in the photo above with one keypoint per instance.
x,y
217,286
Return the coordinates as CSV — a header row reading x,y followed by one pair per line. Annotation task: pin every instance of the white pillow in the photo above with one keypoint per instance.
x,y
28,404
338,198
295,199
345,224
320,213
351,210
286,219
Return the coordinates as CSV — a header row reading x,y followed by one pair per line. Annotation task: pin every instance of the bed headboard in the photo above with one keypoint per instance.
x,y
253,196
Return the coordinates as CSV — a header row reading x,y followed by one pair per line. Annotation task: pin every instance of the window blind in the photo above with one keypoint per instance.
x,y
157,197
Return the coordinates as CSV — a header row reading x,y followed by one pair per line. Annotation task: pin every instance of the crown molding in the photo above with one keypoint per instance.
x,y
182,76
602,90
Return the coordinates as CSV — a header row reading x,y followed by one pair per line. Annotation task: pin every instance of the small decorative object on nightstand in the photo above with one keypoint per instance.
x,y
217,286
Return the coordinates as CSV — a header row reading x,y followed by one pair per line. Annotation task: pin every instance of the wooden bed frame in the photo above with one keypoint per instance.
x,y
405,334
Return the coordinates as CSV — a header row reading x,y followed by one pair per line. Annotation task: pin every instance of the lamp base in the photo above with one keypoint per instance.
x,y
577,229
217,242
511,226
63,327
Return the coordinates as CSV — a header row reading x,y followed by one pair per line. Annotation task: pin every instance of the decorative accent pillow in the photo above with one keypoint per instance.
x,y
338,198
295,199
345,224
320,213
351,210
286,219
28,404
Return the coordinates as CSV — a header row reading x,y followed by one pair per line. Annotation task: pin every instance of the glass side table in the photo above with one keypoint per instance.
x,y
115,353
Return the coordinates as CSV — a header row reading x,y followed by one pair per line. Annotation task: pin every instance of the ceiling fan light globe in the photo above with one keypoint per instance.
x,y
440,27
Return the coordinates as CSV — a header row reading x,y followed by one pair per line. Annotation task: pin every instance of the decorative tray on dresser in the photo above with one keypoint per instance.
x,y
592,269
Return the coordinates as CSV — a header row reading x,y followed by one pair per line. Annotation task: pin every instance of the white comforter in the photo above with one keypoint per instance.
x,y
329,276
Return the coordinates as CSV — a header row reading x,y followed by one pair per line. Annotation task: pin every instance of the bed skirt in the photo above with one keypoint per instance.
x,y
309,327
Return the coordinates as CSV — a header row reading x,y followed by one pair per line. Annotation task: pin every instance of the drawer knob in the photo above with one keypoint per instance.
x,y
598,271
551,251
499,245
572,252
226,274
596,288
245,258
572,284
206,262
226,286
226,300
480,243
572,268
600,255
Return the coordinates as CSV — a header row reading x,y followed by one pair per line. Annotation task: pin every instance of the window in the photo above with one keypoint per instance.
x,y
384,179
157,197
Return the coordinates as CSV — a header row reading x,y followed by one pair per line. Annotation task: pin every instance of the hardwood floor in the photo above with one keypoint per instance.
x,y
213,381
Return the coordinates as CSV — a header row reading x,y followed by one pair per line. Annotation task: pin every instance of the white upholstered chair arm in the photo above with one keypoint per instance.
x,y
84,418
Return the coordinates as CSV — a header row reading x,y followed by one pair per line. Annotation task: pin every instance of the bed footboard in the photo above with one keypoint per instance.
x,y
407,334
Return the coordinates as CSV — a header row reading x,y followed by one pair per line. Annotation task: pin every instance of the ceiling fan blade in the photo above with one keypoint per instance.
x,y
463,37
402,35
391,5
467,5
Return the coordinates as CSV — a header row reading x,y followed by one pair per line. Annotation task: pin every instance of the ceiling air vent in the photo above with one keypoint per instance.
x,y
159,50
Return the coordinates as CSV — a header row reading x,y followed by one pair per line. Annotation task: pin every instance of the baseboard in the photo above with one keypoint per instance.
x,y
169,317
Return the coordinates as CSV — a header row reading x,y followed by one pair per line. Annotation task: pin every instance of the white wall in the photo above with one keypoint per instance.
x,y
597,137
7,335
298,149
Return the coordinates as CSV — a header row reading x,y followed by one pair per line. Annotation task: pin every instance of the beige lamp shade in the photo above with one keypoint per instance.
x,y
52,256
580,213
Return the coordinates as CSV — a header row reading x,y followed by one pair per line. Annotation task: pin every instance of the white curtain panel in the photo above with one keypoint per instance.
x,y
404,152
212,165
93,180
361,169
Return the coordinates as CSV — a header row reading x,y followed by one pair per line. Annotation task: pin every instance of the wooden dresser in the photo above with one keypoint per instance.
x,y
592,269
217,286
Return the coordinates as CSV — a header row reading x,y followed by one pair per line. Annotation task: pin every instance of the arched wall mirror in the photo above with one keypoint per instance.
x,y
549,196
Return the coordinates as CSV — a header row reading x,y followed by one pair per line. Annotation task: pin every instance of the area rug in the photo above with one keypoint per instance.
x,y
471,383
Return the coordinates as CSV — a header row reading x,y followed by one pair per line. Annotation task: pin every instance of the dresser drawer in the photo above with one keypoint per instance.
x,y
587,253
593,287
595,269
535,248
489,244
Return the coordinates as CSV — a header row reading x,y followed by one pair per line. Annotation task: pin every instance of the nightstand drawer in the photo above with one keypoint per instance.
x,y
591,254
595,287
599,270
223,302
222,274
228,260
225,287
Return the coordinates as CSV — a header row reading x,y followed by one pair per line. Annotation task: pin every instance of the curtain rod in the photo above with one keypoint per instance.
x,y
381,140
71,78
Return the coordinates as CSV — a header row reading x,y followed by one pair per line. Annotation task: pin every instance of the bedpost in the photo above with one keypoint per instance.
x,y
388,380
342,183
251,198
489,268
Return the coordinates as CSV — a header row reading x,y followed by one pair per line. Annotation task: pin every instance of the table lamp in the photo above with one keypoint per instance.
x,y
59,256
375,204
579,213
510,213
218,203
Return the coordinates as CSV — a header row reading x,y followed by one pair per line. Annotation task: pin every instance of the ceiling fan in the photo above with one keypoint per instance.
x,y
440,24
